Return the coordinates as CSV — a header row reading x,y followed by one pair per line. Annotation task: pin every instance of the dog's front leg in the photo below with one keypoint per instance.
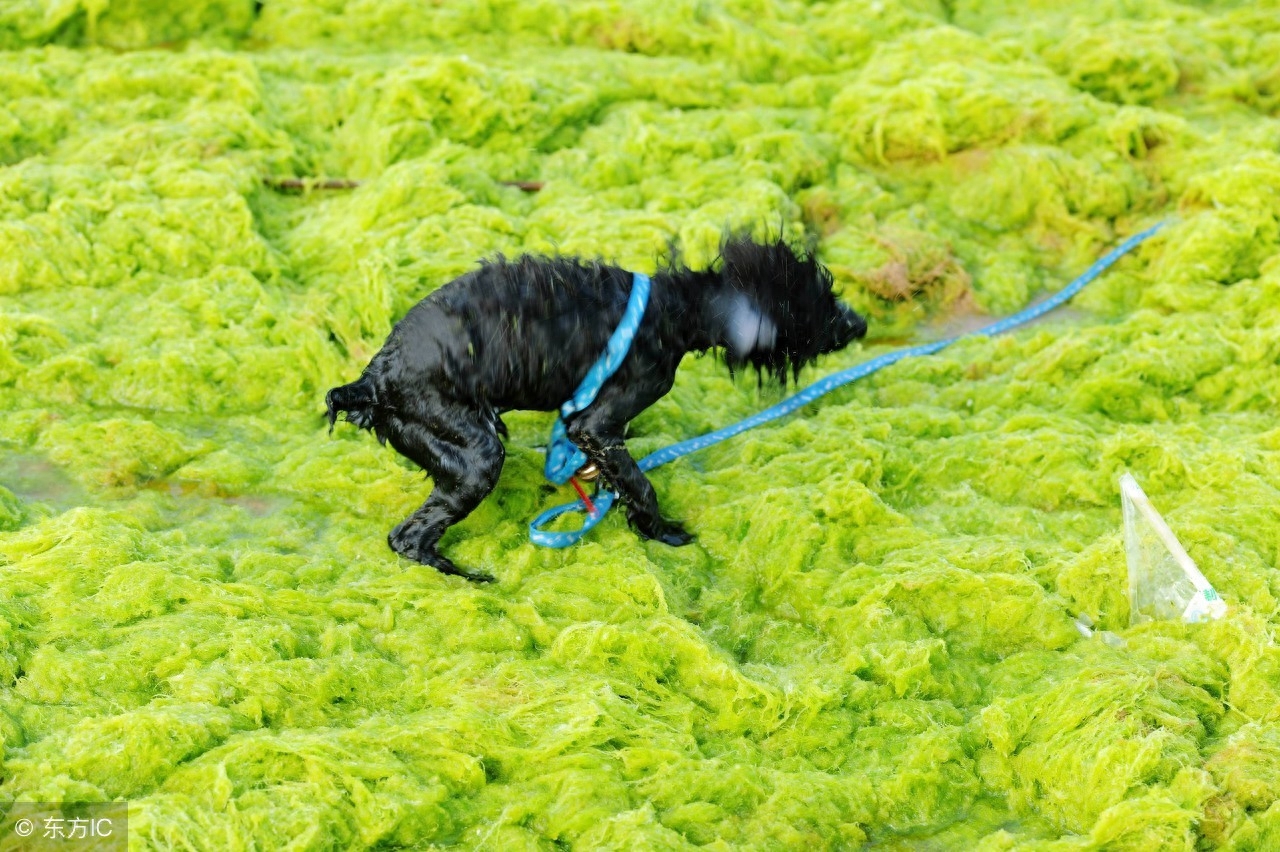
x,y
603,443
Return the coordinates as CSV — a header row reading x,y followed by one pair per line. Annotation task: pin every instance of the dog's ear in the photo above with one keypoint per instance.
x,y
748,329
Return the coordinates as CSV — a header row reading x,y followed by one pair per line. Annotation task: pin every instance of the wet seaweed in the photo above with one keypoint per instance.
x,y
873,640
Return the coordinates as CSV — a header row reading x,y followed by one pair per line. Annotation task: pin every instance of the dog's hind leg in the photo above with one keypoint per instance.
x,y
464,456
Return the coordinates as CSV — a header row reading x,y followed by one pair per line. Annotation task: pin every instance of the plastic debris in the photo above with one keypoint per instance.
x,y
1084,624
1164,582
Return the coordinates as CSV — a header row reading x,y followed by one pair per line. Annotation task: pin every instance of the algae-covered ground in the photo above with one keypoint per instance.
x,y
872,640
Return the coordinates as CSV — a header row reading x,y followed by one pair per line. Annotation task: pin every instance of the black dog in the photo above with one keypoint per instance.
x,y
522,334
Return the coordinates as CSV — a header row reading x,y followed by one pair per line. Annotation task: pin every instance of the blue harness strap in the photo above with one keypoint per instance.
x,y
563,456
605,498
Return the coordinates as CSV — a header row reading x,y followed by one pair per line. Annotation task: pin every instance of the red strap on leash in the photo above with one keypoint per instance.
x,y
577,486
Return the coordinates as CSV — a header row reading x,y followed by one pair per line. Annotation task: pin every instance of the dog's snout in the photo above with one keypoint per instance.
x,y
855,324
847,327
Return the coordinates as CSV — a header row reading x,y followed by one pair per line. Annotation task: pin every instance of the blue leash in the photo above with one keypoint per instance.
x,y
563,456
605,498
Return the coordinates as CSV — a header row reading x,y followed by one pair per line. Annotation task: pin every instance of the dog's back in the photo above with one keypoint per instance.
x,y
513,334
538,289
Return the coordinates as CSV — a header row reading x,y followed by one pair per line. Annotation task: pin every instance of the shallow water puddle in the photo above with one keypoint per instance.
x,y
33,477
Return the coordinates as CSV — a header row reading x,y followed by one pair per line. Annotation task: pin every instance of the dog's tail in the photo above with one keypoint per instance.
x,y
357,399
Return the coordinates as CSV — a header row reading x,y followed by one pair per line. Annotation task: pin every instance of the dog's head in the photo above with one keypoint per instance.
x,y
778,309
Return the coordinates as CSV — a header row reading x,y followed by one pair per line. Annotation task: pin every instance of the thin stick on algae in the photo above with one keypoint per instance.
x,y
285,184
304,184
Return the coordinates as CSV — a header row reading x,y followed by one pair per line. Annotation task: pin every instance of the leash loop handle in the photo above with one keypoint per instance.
x,y
549,538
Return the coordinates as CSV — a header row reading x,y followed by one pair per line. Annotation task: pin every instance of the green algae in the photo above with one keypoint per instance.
x,y
872,641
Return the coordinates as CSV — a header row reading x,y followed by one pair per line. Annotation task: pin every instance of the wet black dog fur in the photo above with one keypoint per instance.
x,y
521,334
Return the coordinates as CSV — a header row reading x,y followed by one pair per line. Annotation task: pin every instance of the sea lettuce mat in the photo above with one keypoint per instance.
x,y
872,641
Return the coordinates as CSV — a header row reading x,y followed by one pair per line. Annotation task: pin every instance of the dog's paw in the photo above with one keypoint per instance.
x,y
408,543
654,527
405,540
454,571
667,532
676,536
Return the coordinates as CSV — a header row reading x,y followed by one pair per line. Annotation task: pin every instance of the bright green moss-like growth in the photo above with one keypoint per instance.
x,y
873,639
